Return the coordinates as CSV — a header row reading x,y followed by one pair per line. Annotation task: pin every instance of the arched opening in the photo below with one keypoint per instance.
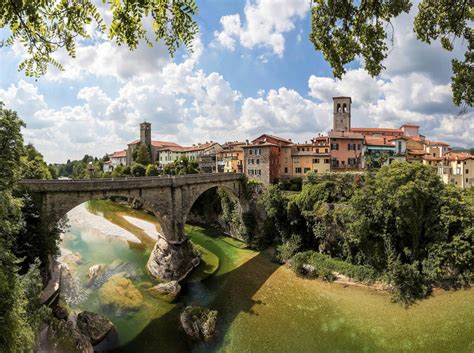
x,y
344,108
339,109
218,208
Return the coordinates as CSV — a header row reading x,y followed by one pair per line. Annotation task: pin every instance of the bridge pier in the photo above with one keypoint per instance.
x,y
169,198
172,261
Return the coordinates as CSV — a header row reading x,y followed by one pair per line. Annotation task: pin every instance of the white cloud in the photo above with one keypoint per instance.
x,y
265,23
284,111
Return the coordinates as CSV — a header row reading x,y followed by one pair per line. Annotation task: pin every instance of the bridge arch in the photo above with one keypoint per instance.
x,y
169,198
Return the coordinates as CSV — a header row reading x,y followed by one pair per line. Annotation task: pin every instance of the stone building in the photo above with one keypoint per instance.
x,y
153,145
115,159
262,158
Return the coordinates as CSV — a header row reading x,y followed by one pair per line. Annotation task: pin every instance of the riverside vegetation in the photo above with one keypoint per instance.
x,y
400,225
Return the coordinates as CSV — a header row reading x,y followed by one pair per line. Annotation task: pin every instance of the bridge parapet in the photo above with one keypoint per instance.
x,y
126,183
170,198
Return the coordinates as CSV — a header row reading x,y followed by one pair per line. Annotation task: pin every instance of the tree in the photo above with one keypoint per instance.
x,y
19,304
345,30
407,224
33,164
152,170
45,27
185,166
143,154
138,170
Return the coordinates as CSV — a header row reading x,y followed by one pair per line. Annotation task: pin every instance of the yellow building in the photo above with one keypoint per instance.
x,y
232,157
458,169
311,157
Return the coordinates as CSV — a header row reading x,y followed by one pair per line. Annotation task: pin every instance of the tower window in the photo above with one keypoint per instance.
x,y
344,108
339,110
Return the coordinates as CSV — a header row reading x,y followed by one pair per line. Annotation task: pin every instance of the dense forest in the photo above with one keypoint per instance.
x,y
25,245
400,225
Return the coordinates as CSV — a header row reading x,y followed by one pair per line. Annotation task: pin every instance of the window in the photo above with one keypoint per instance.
x,y
334,162
334,146
315,160
326,160
258,161
296,160
349,146
467,171
306,170
298,170
317,150
258,151
286,170
315,170
250,151
326,150
359,146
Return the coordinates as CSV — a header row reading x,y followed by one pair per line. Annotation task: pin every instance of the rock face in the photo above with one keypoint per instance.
x,y
62,337
60,313
199,323
94,326
172,262
167,289
120,293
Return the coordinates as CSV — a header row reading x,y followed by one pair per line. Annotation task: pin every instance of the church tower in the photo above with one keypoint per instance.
x,y
145,133
342,114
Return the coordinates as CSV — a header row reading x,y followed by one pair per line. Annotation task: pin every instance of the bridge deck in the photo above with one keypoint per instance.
x,y
37,185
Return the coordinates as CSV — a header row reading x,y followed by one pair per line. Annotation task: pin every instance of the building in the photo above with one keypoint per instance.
x,y
311,157
453,168
345,145
231,158
262,158
118,158
154,146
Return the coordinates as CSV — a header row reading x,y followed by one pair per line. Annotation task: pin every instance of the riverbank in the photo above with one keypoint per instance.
x,y
264,307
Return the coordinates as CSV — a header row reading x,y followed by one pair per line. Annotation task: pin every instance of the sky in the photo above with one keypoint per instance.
x,y
252,70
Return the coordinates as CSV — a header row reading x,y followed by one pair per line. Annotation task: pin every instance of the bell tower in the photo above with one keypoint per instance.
x,y
145,133
342,114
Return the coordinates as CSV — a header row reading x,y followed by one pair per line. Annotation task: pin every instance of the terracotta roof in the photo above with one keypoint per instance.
x,y
453,156
156,143
410,125
416,152
119,154
378,141
431,158
273,137
376,129
346,135
436,143
264,144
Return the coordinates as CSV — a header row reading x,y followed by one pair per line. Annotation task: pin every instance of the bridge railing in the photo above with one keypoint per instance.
x,y
97,184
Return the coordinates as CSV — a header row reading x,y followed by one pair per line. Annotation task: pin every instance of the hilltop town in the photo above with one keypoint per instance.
x,y
269,159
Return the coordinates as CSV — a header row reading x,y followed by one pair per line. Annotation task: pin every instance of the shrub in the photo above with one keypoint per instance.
x,y
152,170
138,170
325,266
285,251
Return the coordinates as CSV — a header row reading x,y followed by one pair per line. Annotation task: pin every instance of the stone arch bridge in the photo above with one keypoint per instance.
x,y
170,198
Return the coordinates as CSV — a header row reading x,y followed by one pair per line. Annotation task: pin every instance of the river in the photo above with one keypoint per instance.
x,y
262,307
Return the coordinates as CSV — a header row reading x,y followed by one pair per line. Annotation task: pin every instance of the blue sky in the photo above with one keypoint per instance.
x,y
253,70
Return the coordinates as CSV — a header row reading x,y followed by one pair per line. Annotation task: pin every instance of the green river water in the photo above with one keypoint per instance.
x,y
264,307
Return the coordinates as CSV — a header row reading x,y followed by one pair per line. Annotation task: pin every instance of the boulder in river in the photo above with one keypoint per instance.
x,y
95,270
169,290
199,323
94,326
120,293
